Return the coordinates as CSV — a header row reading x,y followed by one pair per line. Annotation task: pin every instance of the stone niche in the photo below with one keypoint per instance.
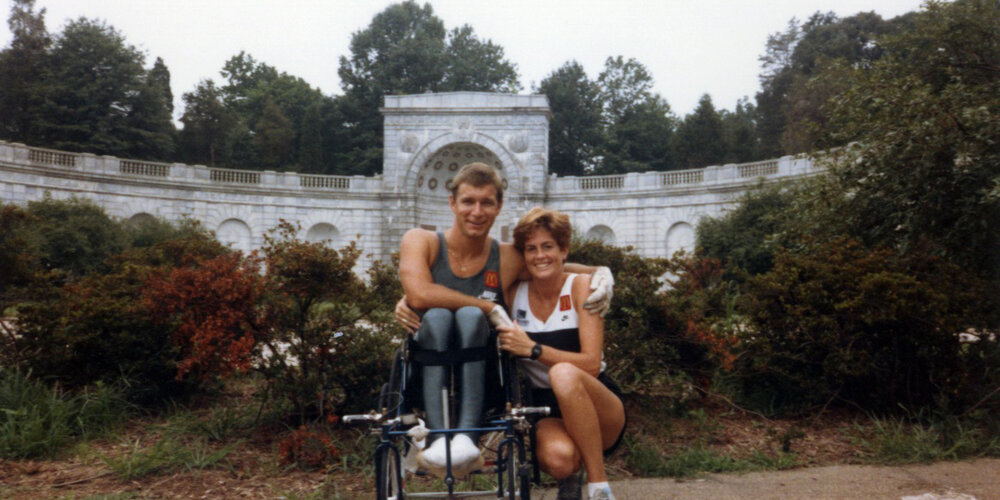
x,y
429,137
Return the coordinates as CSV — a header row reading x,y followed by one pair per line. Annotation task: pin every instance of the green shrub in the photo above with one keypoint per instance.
x,y
97,328
296,313
745,238
869,327
640,336
75,236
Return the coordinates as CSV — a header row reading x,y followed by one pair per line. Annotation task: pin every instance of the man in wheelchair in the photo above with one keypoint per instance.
x,y
456,281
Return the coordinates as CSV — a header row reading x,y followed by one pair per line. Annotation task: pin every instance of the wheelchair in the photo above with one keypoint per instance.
x,y
505,418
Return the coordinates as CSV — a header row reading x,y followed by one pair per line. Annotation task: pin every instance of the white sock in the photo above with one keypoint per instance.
x,y
463,450
593,488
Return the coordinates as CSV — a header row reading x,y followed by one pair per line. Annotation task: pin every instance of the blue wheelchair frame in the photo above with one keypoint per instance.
x,y
395,417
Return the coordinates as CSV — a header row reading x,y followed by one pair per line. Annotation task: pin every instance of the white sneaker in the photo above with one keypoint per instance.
x,y
463,450
436,455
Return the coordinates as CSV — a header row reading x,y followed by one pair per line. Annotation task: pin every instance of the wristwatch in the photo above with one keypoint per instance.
x,y
536,351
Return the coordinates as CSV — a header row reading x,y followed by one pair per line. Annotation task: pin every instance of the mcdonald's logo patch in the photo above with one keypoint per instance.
x,y
564,303
492,279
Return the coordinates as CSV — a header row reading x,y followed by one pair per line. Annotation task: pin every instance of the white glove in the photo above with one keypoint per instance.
x,y
603,285
498,317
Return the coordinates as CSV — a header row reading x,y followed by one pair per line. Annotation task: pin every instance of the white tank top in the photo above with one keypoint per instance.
x,y
561,330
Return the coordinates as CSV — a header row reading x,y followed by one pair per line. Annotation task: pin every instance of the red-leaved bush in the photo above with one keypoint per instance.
x,y
212,306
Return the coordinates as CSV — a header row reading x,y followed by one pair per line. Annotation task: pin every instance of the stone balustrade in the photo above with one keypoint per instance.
x,y
655,212
786,166
741,173
179,173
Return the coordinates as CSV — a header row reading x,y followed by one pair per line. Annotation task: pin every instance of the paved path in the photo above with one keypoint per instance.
x,y
967,480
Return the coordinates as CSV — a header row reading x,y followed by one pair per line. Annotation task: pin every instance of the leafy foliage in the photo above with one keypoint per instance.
x,y
74,236
865,326
699,138
296,313
923,121
745,237
406,50
212,308
575,131
81,324
310,449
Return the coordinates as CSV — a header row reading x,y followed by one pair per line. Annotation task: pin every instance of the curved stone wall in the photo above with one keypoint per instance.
x,y
654,212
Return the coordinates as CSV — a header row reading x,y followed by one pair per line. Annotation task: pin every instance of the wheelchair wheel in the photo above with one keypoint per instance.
x,y
388,475
515,476
391,394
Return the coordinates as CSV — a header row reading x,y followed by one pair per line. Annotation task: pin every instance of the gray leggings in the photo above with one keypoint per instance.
x,y
439,329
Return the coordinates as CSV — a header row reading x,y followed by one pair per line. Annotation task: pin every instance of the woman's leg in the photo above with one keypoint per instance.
x,y
557,453
592,415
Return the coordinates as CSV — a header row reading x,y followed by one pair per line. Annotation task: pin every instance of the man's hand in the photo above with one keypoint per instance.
x,y
498,317
603,285
406,316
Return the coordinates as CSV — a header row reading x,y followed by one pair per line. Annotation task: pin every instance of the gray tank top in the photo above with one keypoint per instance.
x,y
485,284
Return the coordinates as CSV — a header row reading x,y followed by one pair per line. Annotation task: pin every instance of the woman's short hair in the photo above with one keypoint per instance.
x,y
478,175
555,222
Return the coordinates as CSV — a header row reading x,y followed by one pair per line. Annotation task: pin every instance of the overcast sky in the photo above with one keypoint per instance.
x,y
690,48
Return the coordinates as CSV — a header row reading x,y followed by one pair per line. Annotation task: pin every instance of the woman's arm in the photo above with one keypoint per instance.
x,y
515,341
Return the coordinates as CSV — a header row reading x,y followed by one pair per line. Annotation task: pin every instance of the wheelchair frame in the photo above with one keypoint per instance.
x,y
394,417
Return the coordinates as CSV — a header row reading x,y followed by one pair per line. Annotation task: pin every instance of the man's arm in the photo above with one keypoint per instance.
x,y
415,253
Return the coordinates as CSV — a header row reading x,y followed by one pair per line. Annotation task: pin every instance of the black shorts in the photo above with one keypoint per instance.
x,y
545,397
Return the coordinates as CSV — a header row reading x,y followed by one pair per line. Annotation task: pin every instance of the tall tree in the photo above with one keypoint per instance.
x,y
923,121
151,132
790,104
207,125
311,140
22,67
739,131
699,139
406,50
637,122
474,64
98,97
575,132
274,136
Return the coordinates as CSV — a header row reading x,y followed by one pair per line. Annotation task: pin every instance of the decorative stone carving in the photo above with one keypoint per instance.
x,y
410,144
463,129
518,143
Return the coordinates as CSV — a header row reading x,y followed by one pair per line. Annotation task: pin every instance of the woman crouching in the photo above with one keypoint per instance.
x,y
562,347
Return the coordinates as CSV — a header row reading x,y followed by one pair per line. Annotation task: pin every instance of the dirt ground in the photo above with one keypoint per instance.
x,y
823,448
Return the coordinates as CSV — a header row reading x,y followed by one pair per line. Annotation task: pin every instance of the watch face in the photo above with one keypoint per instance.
x,y
536,351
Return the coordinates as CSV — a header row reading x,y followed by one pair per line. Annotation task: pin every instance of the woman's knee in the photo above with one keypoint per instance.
x,y
435,329
565,378
472,326
560,460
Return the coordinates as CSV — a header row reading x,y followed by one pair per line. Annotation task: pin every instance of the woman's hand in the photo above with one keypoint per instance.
x,y
406,317
514,340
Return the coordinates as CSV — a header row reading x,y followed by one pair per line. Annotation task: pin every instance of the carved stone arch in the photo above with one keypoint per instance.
x,y
602,233
314,228
680,236
140,219
512,166
135,206
221,214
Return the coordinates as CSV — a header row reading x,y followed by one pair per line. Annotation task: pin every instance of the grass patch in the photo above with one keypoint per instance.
x,y
648,461
167,455
900,440
38,420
